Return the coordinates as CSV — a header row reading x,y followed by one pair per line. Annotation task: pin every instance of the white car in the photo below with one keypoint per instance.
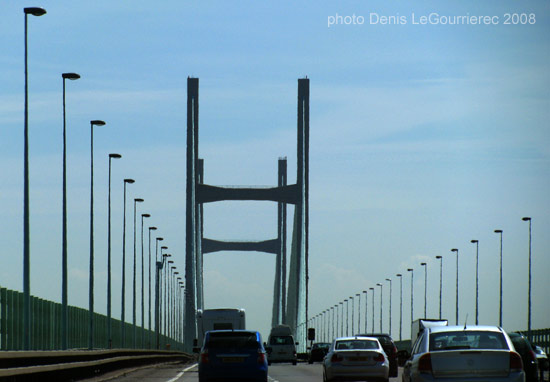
x,y
356,358
465,354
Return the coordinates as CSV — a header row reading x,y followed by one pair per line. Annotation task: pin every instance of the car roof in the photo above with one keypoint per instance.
x,y
355,338
468,328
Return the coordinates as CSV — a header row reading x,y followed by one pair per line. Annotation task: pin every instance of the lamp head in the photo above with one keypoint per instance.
x,y
526,219
164,247
474,241
454,250
70,76
116,156
145,215
439,257
378,284
498,231
371,288
388,280
153,228
410,269
138,200
97,122
129,181
160,238
35,11
423,264
399,275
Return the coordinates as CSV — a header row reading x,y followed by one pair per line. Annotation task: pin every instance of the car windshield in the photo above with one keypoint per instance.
x,y
467,340
320,346
281,340
356,344
232,340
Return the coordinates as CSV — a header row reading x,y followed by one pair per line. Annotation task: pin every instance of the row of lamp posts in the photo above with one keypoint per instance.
x,y
169,292
334,327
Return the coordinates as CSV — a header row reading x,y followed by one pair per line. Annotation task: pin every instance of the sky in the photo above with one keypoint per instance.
x,y
424,135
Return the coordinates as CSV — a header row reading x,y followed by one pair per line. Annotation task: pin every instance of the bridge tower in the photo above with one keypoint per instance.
x,y
290,304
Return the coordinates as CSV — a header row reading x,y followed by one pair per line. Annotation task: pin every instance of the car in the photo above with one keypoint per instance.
x,y
282,347
528,356
232,355
464,353
356,358
542,358
389,347
317,352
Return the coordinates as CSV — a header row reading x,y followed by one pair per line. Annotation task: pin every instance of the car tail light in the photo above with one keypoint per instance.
x,y
516,364
425,364
204,356
261,356
394,351
379,358
336,358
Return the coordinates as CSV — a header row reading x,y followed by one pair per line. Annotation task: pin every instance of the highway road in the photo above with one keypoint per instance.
x,y
302,372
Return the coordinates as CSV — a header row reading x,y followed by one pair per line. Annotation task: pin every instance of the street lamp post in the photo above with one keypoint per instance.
x,y
158,267
412,292
342,320
142,284
372,322
149,299
123,298
528,219
64,283
440,281
109,285
136,200
499,231
347,316
390,302
476,242
381,288
456,309
34,11
366,310
400,304
358,312
425,286
93,123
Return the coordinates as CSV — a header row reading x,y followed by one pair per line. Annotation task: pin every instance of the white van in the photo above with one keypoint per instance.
x,y
281,345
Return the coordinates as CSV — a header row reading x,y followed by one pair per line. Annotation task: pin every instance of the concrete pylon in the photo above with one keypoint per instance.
x,y
191,215
293,311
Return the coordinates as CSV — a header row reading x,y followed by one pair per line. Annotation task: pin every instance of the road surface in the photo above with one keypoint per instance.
x,y
302,372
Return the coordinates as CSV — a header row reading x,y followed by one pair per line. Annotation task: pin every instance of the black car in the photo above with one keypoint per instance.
x,y
318,352
389,348
528,356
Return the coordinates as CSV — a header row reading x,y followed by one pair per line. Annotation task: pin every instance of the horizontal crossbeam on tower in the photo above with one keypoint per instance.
x,y
268,246
285,194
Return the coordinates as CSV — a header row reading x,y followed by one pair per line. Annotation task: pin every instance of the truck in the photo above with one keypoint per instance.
x,y
419,325
219,319
281,345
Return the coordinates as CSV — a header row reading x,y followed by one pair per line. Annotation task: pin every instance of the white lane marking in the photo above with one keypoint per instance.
x,y
271,379
178,376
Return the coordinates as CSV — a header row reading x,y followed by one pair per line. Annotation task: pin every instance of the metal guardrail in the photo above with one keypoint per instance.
x,y
46,327
66,365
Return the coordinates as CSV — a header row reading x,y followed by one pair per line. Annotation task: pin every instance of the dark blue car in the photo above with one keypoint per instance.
x,y
232,355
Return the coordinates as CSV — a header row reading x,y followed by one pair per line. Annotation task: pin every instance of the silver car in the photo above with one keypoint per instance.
x,y
356,359
466,354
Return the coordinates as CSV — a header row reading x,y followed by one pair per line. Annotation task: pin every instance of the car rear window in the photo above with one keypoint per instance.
x,y
281,340
232,340
356,344
467,340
